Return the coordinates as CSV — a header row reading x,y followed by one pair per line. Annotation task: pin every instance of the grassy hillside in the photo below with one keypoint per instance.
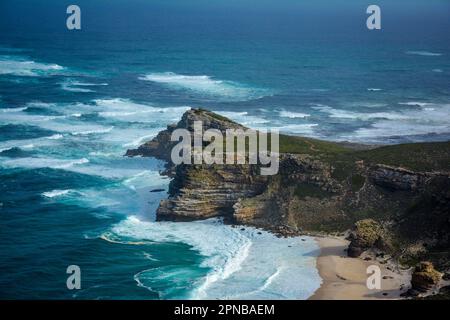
x,y
432,156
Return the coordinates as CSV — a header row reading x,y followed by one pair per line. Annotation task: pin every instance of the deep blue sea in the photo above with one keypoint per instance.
x,y
73,102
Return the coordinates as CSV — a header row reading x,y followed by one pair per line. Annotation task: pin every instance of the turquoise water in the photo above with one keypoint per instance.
x,y
72,103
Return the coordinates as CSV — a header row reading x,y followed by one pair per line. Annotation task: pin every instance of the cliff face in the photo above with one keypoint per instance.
x,y
320,186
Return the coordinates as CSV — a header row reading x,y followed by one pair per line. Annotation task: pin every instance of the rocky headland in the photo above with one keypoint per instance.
x,y
393,202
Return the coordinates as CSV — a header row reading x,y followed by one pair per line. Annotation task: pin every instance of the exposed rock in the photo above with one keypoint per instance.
x,y
425,277
396,178
161,146
367,234
320,186
203,191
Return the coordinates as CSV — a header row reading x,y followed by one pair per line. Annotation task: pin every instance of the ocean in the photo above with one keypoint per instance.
x,y
73,102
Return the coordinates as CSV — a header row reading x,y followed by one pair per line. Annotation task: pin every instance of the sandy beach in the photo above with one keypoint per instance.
x,y
344,278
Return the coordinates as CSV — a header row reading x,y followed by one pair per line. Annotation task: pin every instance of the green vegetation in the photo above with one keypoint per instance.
x,y
414,156
368,231
213,115
304,190
432,156
357,182
293,144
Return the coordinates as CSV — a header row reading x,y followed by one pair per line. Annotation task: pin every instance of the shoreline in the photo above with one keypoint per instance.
x,y
344,278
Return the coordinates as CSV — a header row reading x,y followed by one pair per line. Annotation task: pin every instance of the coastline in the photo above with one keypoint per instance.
x,y
344,278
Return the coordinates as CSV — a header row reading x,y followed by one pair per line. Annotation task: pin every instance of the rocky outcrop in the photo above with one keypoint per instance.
x,y
396,178
367,234
425,277
161,146
202,191
320,186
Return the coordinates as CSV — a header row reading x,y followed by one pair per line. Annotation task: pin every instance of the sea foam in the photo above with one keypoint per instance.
x,y
292,115
55,193
18,66
424,53
207,86
244,263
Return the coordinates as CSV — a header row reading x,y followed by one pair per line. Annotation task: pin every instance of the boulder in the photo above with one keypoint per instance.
x,y
366,234
425,277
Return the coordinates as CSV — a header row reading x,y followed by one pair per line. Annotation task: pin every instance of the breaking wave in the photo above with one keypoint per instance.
x,y
207,86
17,66
424,53
245,263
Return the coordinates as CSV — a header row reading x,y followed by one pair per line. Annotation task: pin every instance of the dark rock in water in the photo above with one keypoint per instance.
x,y
385,293
425,277
446,276
157,190
259,232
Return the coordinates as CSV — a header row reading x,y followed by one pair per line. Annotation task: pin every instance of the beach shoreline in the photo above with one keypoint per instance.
x,y
344,278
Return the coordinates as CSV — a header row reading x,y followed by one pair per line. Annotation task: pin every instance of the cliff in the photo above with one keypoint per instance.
x,y
320,187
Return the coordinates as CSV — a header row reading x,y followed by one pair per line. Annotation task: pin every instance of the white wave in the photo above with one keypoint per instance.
x,y
374,89
130,137
71,88
87,84
55,137
129,111
12,109
293,115
244,118
424,53
206,85
14,65
305,128
345,114
78,86
31,162
145,178
244,264
438,70
385,129
19,117
317,105
139,141
96,131
56,193
415,103
7,148
431,118
365,104
26,144
103,154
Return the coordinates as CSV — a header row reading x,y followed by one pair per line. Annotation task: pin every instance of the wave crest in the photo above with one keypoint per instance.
x,y
207,86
